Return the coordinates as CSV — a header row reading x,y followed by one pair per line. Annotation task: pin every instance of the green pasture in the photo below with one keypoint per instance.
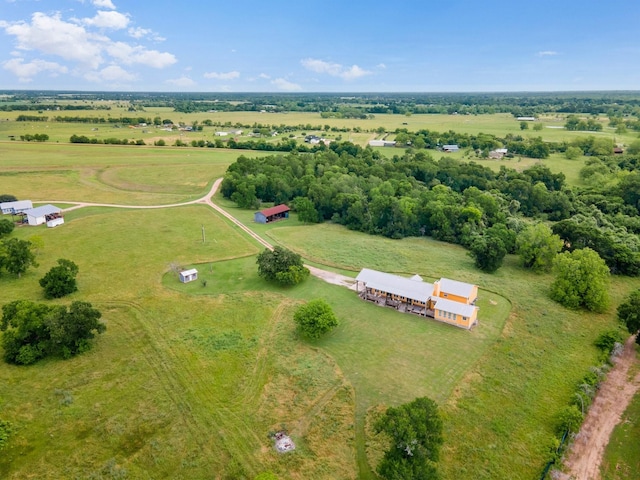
x,y
622,455
188,380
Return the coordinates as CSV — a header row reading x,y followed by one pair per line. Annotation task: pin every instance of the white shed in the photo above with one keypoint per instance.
x,y
187,276
16,207
40,215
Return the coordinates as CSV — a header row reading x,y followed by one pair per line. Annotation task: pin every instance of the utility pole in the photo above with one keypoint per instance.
x,y
203,236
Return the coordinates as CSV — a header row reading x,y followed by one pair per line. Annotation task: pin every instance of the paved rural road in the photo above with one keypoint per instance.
x,y
327,276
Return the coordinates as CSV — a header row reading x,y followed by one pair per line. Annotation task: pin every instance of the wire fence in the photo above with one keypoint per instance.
x,y
552,462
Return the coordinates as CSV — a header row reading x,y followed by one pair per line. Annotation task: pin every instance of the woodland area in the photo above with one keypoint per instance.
x,y
454,201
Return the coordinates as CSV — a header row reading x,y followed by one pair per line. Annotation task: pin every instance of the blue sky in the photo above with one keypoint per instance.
x,y
328,46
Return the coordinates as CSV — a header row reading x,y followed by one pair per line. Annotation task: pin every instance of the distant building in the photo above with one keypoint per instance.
x,y
382,143
187,276
14,208
498,153
49,214
450,148
268,215
526,119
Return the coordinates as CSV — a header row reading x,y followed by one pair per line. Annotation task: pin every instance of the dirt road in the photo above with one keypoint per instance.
x,y
585,455
327,276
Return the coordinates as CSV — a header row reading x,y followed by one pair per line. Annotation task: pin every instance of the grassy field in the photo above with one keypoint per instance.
x,y
622,455
189,380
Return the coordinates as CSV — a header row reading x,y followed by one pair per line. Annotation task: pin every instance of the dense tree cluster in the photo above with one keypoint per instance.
x,y
60,280
107,141
450,200
281,266
32,331
415,432
16,255
36,137
629,313
581,280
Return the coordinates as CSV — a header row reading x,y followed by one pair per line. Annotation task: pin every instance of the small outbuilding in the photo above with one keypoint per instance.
x,y
450,148
14,208
268,215
43,214
187,276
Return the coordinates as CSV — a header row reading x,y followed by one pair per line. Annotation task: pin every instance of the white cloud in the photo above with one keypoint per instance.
x,y
115,73
334,69
107,19
264,76
104,4
53,36
354,72
139,32
181,82
26,71
222,75
285,85
546,53
381,66
74,42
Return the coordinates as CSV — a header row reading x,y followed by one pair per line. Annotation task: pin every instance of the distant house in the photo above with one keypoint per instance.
x,y
382,143
221,134
450,148
187,276
526,119
446,300
49,214
272,214
498,153
14,208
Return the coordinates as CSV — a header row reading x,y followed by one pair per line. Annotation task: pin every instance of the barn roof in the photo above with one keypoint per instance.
x,y
267,212
455,287
454,307
43,210
405,287
18,204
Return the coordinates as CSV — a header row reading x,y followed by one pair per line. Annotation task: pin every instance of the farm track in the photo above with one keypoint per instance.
x,y
227,420
194,396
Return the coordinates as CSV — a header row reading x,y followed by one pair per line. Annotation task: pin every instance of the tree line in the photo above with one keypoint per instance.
x,y
454,201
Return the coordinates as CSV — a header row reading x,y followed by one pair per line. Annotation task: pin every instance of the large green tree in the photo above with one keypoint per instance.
x,y
488,251
315,318
581,280
33,331
629,312
60,280
6,227
17,255
415,430
537,246
282,266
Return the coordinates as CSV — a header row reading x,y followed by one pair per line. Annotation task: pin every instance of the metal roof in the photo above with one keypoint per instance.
x,y
455,287
267,212
454,307
395,284
186,273
43,210
17,205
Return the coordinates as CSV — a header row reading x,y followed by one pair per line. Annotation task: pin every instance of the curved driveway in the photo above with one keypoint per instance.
x,y
327,276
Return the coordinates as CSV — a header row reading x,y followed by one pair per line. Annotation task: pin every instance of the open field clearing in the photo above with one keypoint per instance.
x,y
622,456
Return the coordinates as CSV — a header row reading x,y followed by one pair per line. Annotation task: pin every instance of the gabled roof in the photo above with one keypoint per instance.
x,y
454,307
267,212
395,284
455,287
43,210
186,273
17,205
